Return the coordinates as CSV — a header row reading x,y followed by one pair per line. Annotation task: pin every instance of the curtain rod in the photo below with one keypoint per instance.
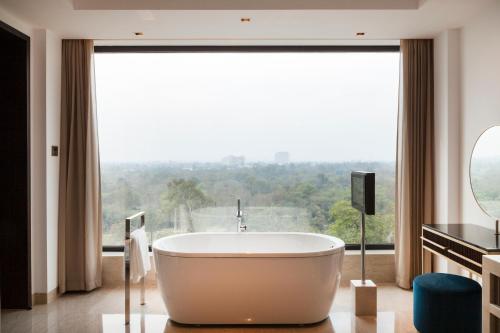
x,y
245,48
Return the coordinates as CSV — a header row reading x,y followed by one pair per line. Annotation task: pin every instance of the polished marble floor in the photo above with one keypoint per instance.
x,y
102,311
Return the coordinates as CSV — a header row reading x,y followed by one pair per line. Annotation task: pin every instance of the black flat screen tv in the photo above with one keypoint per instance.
x,y
363,191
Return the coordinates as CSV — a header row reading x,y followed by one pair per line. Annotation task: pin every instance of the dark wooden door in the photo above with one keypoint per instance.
x,y
15,229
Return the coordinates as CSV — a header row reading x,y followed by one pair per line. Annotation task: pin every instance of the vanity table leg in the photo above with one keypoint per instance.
x,y
426,260
486,302
422,256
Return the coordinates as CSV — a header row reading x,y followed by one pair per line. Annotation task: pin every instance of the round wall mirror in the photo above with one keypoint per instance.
x,y
485,171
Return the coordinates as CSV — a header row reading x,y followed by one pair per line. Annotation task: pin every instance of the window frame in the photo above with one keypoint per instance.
x,y
249,49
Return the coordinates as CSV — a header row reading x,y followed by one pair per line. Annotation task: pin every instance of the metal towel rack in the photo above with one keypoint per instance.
x,y
126,259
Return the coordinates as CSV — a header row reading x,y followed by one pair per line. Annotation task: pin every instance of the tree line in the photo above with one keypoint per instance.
x,y
188,197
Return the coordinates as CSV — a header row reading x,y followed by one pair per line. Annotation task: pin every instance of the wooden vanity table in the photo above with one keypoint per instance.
x,y
464,244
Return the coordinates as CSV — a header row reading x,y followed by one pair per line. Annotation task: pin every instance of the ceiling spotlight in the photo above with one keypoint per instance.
x,y
139,33
360,34
245,19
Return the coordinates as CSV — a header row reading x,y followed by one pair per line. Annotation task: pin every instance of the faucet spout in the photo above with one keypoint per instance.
x,y
239,216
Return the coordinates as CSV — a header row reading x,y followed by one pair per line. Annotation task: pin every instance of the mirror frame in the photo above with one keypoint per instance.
x,y
470,173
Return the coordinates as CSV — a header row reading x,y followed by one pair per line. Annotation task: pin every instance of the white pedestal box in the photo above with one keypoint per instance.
x,y
364,298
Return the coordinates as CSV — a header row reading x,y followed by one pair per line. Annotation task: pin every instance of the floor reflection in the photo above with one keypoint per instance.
x,y
338,322
102,311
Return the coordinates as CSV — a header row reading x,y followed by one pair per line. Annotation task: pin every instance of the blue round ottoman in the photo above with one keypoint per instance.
x,y
445,303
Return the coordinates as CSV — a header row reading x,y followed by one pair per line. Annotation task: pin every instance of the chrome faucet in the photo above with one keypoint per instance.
x,y
239,216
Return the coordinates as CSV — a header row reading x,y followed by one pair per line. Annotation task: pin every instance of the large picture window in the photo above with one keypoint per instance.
x,y
185,134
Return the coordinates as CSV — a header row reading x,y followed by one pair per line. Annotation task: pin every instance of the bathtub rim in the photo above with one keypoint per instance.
x,y
338,248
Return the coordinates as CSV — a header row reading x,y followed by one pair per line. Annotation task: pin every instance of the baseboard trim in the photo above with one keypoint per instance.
x,y
44,298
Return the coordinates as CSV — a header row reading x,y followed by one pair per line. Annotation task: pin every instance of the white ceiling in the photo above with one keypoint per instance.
x,y
244,4
311,26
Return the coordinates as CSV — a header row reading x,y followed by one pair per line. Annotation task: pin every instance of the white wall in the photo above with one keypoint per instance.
x,y
480,85
447,133
447,126
45,73
38,159
45,175
52,125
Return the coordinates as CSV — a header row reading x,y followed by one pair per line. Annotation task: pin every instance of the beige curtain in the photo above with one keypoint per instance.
x,y
80,243
414,161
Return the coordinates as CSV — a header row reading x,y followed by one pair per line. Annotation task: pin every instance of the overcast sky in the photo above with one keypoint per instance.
x,y
329,107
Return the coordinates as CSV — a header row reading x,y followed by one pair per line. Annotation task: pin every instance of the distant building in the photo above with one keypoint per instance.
x,y
282,157
235,161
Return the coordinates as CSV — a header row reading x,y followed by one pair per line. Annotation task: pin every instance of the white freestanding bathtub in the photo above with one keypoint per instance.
x,y
248,277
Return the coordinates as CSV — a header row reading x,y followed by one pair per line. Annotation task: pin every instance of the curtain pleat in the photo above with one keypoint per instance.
x,y
414,160
80,213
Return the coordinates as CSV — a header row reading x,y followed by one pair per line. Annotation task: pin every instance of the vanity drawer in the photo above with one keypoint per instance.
x,y
435,238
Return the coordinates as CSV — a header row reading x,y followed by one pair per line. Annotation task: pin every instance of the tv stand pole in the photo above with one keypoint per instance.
x,y
363,247
364,292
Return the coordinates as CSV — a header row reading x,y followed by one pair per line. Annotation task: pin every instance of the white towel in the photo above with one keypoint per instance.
x,y
139,255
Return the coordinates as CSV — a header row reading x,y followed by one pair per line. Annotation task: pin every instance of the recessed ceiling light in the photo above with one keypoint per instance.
x,y
139,33
360,34
245,19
